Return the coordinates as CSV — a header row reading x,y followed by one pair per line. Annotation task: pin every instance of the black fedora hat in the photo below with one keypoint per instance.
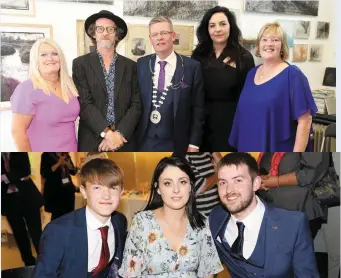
x,y
120,23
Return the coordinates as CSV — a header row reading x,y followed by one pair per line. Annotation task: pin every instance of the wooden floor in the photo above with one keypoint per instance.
x,y
10,257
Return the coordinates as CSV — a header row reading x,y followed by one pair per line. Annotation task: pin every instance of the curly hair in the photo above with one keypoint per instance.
x,y
205,43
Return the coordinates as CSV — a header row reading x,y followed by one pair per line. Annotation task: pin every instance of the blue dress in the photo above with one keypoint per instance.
x,y
266,116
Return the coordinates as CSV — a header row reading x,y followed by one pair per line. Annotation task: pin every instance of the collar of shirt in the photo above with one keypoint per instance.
x,y
93,223
171,60
112,63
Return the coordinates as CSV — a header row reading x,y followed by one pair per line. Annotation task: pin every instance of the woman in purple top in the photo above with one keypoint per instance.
x,y
276,106
45,107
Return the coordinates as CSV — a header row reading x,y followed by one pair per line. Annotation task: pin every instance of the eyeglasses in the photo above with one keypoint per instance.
x,y
162,34
110,29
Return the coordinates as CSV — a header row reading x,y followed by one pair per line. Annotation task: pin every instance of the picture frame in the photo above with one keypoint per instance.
x,y
18,8
300,53
250,44
137,43
16,42
183,43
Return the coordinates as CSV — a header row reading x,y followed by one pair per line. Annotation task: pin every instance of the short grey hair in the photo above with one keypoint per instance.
x,y
160,19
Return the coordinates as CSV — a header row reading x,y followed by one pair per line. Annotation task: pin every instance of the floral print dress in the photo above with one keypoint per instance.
x,y
147,252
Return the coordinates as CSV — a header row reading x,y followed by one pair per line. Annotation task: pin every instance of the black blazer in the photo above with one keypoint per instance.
x,y
188,101
19,167
90,82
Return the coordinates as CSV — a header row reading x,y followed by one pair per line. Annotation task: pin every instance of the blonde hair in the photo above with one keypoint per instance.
x,y
160,19
66,83
274,28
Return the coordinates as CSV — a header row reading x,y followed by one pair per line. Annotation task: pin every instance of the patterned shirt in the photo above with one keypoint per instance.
x,y
110,84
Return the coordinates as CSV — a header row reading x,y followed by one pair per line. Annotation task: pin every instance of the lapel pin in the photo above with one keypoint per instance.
x,y
275,227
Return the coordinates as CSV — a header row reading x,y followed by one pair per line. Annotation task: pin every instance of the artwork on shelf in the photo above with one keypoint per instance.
x,y
322,30
84,43
300,53
184,10
250,45
329,78
137,41
302,29
288,27
183,43
315,52
107,2
16,43
18,7
298,7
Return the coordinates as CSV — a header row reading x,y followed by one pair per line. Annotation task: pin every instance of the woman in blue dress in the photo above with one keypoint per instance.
x,y
170,238
276,106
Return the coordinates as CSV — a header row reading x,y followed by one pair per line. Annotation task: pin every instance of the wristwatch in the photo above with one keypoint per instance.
x,y
104,132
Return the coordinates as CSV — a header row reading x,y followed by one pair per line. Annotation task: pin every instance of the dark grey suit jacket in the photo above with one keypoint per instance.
x,y
90,82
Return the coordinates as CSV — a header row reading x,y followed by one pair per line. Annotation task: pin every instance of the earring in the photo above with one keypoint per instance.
x,y
155,184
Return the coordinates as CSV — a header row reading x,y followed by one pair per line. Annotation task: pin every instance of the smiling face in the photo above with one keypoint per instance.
x,y
270,46
48,59
174,187
236,189
219,28
162,38
102,200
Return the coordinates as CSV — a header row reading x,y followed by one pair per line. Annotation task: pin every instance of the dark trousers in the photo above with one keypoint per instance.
x,y
156,144
20,216
315,226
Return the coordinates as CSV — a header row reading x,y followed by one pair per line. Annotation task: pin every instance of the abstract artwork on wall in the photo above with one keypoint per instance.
x,y
184,10
17,7
302,29
298,7
315,52
300,53
322,30
16,43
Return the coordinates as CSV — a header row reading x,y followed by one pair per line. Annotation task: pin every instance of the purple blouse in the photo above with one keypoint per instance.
x,y
52,128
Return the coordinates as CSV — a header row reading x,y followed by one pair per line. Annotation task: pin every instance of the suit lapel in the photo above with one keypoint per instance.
x,y
115,261
119,70
80,241
178,74
97,67
271,239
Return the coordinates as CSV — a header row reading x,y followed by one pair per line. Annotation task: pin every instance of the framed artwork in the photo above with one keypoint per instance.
x,y
16,43
183,43
137,43
302,29
294,7
183,10
250,45
107,2
288,27
84,43
322,30
18,7
316,51
329,78
300,53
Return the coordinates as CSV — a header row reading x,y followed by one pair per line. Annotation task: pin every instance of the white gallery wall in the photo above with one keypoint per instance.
x,y
62,16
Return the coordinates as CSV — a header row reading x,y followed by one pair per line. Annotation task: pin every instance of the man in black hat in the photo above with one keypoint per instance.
x,y
108,89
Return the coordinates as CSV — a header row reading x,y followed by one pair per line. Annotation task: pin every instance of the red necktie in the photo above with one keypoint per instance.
x,y
105,254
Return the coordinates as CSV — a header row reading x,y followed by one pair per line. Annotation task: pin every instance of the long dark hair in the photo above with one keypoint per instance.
x,y
155,201
205,44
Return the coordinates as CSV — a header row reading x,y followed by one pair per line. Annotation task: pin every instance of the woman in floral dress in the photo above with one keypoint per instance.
x,y
170,238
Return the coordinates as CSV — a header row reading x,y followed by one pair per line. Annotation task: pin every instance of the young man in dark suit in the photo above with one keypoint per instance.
x,y
87,242
253,239
172,92
108,90
21,202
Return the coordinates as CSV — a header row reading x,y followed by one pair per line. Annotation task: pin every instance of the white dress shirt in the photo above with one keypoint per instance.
x,y
95,239
252,224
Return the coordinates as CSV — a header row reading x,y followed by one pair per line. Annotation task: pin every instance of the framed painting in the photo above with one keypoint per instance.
x,y
251,45
84,43
300,53
16,43
137,43
183,43
18,7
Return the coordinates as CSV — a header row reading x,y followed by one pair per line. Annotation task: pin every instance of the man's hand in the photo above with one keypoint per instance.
x,y
268,182
192,150
113,141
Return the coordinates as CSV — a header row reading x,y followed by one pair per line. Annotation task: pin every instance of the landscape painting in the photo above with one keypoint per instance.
x,y
294,7
184,10
16,43
302,29
17,7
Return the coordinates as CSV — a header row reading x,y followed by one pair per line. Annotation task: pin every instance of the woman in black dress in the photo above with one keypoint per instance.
x,y
58,190
225,65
